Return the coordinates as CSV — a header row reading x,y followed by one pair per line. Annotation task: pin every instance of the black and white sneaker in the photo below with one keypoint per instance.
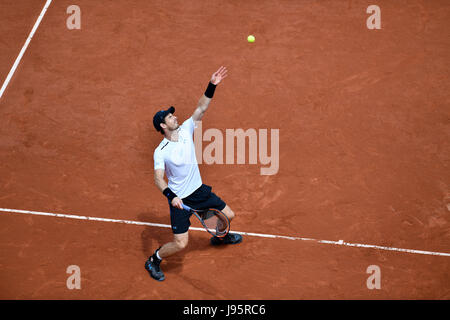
x,y
230,238
152,266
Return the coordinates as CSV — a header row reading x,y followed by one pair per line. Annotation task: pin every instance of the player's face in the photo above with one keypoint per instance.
x,y
171,122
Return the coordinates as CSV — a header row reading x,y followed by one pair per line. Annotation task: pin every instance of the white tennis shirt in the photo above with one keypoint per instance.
x,y
179,162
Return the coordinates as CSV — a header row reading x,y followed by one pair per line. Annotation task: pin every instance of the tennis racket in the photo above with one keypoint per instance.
x,y
214,221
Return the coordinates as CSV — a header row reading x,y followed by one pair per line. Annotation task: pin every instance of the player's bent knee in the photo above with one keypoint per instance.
x,y
181,241
228,212
181,244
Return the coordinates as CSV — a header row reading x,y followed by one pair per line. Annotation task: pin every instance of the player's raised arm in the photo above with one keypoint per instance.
x,y
204,101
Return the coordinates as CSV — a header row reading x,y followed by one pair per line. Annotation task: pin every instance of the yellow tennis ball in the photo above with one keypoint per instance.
x,y
251,38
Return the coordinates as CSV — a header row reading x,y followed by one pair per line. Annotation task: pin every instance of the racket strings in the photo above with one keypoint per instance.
x,y
215,221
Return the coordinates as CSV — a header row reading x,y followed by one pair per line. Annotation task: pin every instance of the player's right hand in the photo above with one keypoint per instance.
x,y
177,203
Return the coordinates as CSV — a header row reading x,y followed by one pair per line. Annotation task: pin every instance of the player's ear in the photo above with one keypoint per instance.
x,y
163,125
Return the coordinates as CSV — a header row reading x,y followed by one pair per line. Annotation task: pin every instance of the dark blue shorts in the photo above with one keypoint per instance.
x,y
202,198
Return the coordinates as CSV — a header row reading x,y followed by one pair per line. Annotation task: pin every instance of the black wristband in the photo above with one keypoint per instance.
x,y
210,90
169,194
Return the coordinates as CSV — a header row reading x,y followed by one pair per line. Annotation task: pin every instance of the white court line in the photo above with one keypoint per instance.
x,y
24,48
339,243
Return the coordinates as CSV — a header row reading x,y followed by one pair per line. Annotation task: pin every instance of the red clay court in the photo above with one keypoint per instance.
x,y
364,147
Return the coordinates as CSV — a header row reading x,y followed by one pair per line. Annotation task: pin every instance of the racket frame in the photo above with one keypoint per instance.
x,y
220,213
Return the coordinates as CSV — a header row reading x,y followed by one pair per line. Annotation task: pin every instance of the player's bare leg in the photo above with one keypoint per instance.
x,y
229,213
179,242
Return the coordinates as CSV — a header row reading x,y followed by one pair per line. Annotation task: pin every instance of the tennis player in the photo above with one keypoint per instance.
x,y
175,156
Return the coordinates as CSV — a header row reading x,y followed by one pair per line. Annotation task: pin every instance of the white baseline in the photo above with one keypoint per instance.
x,y
339,243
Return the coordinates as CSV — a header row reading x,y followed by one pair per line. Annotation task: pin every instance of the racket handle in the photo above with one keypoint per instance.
x,y
185,207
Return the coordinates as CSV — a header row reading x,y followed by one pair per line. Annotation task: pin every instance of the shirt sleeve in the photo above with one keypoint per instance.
x,y
189,125
158,160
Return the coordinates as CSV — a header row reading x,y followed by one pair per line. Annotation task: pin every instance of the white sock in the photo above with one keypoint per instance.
x,y
157,255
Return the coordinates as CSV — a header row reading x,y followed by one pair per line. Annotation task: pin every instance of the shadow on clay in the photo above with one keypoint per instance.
x,y
154,237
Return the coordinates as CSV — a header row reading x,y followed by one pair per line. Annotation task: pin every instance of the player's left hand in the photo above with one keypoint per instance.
x,y
219,75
